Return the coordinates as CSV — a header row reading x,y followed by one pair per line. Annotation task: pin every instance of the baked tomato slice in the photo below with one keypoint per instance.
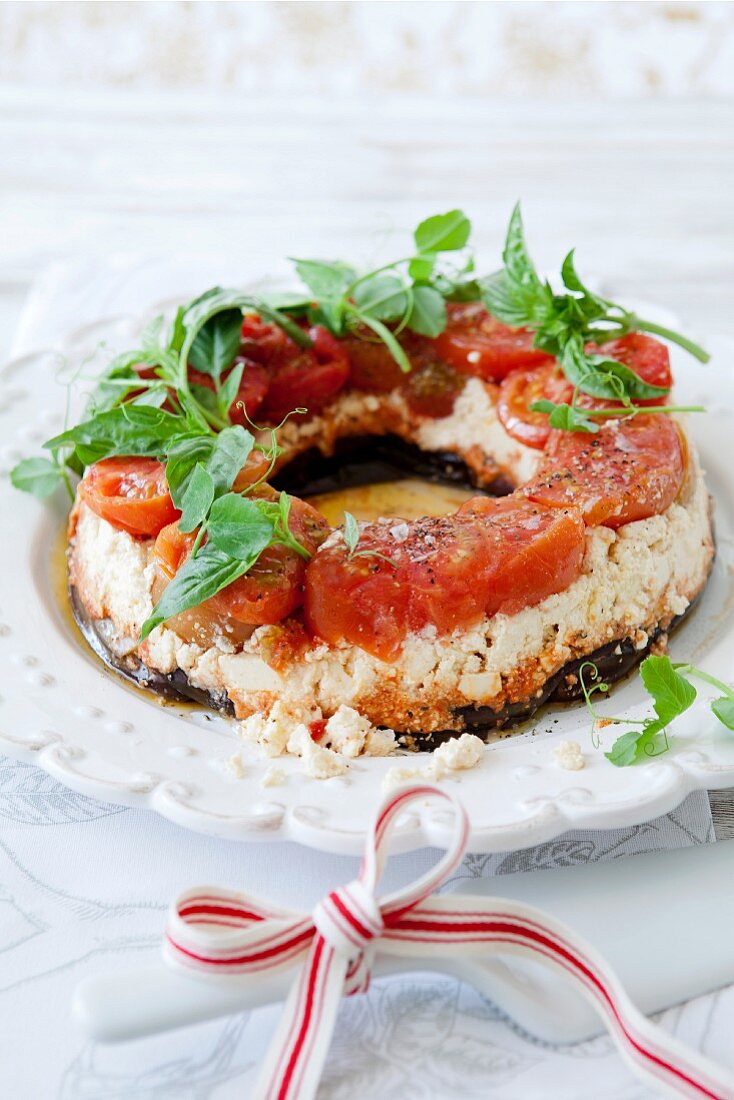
x,y
360,599
474,342
536,550
641,353
630,469
131,494
446,573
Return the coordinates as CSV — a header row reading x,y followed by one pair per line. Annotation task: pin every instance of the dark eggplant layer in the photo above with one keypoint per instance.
x,y
614,661
374,460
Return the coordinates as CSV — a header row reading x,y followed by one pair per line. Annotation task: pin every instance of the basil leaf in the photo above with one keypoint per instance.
x,y
382,296
326,278
428,312
127,430
39,476
183,456
230,388
351,532
197,499
230,451
238,527
513,303
671,692
564,416
197,580
217,342
723,708
222,456
443,232
178,330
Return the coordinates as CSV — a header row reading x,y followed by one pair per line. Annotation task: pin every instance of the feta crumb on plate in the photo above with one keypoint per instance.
x,y
568,755
458,754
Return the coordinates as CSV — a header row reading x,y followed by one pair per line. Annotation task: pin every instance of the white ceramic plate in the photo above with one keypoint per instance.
x,y
60,709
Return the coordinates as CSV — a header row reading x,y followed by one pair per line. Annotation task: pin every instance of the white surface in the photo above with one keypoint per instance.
x,y
105,740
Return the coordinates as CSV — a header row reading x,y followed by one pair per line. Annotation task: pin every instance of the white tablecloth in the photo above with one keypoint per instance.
x,y
84,887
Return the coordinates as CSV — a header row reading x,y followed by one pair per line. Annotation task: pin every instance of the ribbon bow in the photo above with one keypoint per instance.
x,y
217,932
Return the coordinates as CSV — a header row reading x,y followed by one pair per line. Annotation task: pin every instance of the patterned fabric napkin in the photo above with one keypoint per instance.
x,y
84,887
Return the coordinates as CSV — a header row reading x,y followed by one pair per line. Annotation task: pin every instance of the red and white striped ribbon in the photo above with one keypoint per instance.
x,y
223,933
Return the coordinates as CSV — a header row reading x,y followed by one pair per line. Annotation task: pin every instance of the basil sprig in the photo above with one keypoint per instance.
x,y
565,323
410,293
672,693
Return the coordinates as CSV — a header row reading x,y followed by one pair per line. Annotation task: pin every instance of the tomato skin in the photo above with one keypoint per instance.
x,y
309,379
371,366
131,494
630,469
517,393
536,550
432,388
475,343
361,600
492,556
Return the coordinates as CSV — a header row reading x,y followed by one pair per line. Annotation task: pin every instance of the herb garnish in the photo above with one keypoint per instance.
x,y
564,324
410,293
672,693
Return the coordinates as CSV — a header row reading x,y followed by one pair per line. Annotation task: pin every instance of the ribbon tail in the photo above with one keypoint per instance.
x,y
297,1052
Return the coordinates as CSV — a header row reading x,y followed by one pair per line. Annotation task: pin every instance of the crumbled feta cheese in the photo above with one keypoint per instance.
x,y
273,777
458,754
318,762
346,731
380,743
569,756
234,765
272,732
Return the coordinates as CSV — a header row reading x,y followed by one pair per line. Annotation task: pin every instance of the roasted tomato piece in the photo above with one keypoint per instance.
x,y
449,570
131,494
361,599
309,379
492,556
201,625
474,342
271,589
265,343
371,366
630,469
431,389
517,393
251,392
536,550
